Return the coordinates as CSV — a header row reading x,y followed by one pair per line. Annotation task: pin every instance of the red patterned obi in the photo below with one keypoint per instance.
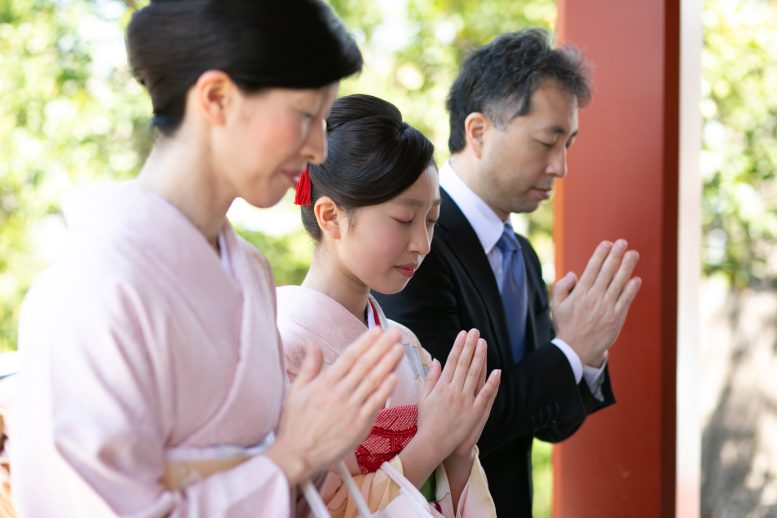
x,y
392,430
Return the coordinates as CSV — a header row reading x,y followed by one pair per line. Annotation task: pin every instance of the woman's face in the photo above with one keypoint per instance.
x,y
269,138
383,245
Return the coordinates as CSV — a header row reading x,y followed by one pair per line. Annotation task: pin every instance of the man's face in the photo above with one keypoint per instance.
x,y
521,159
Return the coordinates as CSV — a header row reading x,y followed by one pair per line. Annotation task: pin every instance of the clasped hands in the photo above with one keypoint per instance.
x,y
589,312
454,406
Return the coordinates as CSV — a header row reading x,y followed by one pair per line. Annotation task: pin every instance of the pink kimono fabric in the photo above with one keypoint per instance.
x,y
310,318
138,346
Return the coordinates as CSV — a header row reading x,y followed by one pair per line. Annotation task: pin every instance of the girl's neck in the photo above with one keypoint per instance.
x,y
327,277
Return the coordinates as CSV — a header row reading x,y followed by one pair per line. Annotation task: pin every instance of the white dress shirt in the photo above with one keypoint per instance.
x,y
488,227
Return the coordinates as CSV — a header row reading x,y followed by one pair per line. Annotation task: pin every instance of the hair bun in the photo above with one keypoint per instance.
x,y
171,43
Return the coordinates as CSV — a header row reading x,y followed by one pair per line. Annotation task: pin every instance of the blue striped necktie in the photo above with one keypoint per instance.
x,y
513,290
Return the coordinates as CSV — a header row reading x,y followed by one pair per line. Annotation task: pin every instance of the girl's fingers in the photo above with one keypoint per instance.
x,y
453,357
431,378
465,358
487,396
474,374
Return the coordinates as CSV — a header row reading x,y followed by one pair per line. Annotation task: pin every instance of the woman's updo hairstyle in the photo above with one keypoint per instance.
x,y
373,156
258,43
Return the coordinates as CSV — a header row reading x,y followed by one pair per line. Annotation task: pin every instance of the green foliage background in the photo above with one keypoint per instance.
x,y
71,114
739,107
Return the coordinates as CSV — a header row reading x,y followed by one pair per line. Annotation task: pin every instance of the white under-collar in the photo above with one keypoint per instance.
x,y
483,219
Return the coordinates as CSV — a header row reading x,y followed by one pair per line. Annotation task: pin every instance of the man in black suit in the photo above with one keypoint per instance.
x,y
513,116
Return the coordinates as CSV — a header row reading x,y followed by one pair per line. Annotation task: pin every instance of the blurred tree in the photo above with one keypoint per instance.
x,y
739,156
70,113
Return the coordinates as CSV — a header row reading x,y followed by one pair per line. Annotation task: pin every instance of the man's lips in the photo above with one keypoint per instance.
x,y
544,191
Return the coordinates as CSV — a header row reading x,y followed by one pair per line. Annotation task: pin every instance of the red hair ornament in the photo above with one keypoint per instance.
x,y
302,194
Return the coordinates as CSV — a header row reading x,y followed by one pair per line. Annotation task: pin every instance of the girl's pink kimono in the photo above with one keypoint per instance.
x,y
310,318
143,347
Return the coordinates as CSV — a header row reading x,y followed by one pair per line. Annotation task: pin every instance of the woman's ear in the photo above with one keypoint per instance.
x,y
475,127
329,217
213,94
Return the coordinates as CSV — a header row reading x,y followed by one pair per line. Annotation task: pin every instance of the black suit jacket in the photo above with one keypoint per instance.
x,y
455,289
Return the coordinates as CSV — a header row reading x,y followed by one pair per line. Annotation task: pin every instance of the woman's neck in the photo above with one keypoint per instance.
x,y
178,171
327,276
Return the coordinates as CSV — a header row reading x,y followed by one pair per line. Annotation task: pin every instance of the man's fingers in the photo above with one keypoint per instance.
x,y
610,267
595,264
622,276
563,287
628,294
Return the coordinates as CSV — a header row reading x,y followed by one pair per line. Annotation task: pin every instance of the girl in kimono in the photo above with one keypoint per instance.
x,y
371,208
152,380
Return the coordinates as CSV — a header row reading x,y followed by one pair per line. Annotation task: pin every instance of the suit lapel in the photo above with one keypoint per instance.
x,y
459,236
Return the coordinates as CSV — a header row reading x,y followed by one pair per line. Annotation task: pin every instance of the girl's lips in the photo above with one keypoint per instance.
x,y
406,269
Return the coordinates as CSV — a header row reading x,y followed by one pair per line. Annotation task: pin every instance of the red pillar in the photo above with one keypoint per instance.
x,y
623,182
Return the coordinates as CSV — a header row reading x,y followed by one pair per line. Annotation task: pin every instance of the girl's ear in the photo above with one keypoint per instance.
x,y
329,217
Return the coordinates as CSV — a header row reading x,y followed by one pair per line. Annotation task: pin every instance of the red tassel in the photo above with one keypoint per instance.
x,y
302,194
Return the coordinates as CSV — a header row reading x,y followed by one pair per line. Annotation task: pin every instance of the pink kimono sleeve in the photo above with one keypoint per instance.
x,y
95,404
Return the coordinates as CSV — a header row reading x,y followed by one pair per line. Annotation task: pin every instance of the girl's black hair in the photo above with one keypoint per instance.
x,y
258,43
373,157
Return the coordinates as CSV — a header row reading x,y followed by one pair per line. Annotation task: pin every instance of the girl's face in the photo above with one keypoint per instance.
x,y
269,138
381,246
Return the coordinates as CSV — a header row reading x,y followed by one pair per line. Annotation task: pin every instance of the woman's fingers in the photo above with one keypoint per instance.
x,y
310,367
377,399
359,387
353,353
361,357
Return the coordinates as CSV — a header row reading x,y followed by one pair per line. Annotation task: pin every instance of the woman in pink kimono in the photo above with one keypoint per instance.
x,y
152,380
371,209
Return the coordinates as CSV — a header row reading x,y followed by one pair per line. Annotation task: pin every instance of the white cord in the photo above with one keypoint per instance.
x,y
317,506
356,495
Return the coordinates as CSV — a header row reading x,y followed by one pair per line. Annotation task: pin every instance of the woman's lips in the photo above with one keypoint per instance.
x,y
406,269
292,176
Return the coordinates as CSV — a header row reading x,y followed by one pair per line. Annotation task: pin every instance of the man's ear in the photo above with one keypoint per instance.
x,y
475,127
213,93
329,217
